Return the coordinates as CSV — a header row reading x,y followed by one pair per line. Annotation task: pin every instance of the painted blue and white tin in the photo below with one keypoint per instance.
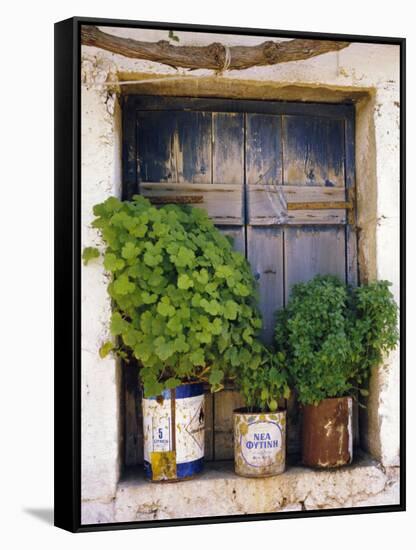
x,y
259,443
173,429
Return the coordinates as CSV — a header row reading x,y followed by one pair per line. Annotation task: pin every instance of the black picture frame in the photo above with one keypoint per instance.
x,y
68,266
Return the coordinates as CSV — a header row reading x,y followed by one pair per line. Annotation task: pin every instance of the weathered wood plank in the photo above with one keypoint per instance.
x,y
263,149
237,235
133,422
228,143
317,217
226,402
265,254
313,151
351,229
223,202
129,153
312,251
215,104
174,146
269,205
194,146
154,131
309,252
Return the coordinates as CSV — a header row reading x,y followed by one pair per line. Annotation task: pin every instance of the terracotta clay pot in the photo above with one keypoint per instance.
x,y
327,438
259,443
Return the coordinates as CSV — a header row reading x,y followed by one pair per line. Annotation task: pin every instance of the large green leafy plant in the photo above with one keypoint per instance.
x,y
265,383
184,303
333,335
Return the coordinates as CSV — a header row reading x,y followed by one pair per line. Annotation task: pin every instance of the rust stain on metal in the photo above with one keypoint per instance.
x,y
181,199
351,211
330,205
327,433
163,465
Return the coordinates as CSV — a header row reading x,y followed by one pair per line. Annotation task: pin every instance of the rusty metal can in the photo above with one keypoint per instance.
x,y
173,429
327,438
259,443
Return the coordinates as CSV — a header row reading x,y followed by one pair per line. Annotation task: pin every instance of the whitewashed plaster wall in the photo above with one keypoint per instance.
x,y
368,69
100,379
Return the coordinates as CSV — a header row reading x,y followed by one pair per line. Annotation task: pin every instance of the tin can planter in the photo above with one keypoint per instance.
x,y
174,429
327,438
259,443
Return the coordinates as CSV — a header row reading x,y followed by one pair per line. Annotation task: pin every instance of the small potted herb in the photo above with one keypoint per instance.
x,y
333,335
184,307
260,427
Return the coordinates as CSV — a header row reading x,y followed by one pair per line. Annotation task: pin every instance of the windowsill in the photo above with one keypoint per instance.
x,y
219,491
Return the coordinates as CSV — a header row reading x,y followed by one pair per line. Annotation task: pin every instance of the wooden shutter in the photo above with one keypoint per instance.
x,y
277,177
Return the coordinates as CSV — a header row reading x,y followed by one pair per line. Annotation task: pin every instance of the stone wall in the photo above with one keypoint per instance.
x,y
366,73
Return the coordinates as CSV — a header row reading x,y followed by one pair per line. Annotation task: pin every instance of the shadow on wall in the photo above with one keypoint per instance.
x,y
43,514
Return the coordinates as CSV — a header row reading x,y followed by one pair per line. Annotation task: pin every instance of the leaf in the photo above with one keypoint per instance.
x,y
117,324
201,276
230,310
129,336
156,280
264,394
273,404
247,335
224,272
173,36
129,251
123,286
105,349
165,309
215,377
216,327
196,299
149,298
174,324
152,388
180,345
152,258
90,253
164,348
241,290
139,230
143,351
184,258
197,358
213,307
112,263
172,383
204,337
185,282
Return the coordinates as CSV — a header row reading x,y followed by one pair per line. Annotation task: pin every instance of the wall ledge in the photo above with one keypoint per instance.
x,y
218,491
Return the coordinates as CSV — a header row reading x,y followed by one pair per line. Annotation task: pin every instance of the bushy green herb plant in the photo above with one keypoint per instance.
x,y
265,382
184,303
333,335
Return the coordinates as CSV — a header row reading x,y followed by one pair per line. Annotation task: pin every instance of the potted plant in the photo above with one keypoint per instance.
x,y
184,307
260,427
333,336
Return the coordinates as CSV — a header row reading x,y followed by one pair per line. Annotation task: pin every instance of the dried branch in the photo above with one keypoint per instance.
x,y
214,56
